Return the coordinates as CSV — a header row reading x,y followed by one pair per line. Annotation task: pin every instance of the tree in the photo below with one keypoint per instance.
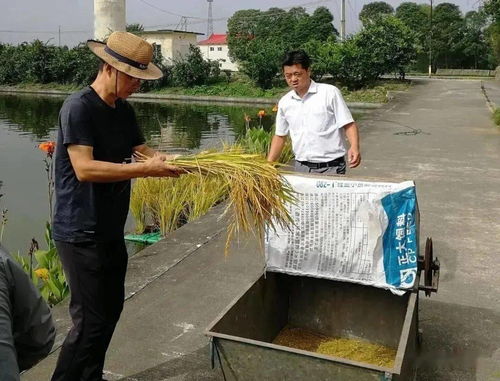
x,y
242,28
390,43
193,69
447,33
371,11
285,30
134,28
263,62
492,9
474,46
319,26
322,57
416,17
384,46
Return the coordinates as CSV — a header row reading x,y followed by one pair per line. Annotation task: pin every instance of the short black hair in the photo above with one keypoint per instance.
x,y
296,57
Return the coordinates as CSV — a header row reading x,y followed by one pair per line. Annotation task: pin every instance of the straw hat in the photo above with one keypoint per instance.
x,y
127,53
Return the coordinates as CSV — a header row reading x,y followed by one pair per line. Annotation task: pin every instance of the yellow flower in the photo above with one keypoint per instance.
x,y
275,108
42,273
261,113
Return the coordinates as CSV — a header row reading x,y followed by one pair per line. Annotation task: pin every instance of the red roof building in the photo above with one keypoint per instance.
x,y
215,48
215,39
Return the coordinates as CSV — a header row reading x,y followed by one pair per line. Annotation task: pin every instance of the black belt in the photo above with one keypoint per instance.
x,y
334,163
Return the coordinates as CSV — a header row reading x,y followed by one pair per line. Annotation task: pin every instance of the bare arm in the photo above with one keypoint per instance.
x,y
277,145
353,154
91,170
148,151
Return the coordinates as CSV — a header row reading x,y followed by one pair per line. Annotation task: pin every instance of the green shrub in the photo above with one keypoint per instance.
x,y
38,62
258,140
194,70
496,116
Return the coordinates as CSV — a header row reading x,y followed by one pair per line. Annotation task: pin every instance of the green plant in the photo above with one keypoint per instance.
x,y
44,266
45,269
194,70
3,218
257,140
496,116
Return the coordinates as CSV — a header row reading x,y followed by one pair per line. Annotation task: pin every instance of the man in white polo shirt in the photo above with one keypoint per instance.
x,y
317,119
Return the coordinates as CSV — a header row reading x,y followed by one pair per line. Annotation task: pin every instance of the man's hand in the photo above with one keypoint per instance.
x,y
156,167
353,154
353,157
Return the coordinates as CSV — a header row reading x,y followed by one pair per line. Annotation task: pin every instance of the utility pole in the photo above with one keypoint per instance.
x,y
342,20
59,35
430,44
210,21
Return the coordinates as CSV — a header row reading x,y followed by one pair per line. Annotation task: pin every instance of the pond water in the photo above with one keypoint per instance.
x,y
25,121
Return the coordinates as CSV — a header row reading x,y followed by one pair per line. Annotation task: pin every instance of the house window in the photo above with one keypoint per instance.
x,y
156,50
211,48
219,48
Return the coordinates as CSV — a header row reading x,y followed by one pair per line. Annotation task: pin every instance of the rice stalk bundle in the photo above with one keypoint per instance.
x,y
170,203
166,203
143,200
205,193
257,192
138,205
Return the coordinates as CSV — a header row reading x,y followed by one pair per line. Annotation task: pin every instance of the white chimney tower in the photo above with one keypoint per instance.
x,y
109,16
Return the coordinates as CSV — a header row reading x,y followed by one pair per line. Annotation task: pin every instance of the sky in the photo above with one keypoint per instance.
x,y
26,20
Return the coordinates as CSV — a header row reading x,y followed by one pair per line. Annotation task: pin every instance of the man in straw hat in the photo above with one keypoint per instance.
x,y
98,135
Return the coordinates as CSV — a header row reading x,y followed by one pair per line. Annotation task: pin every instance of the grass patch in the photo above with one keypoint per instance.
x,y
496,116
226,89
376,93
46,86
241,87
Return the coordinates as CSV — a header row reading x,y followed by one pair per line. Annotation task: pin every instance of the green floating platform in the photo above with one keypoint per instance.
x,y
144,238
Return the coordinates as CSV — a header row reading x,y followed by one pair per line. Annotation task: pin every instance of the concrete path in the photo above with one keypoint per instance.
x,y
492,90
439,134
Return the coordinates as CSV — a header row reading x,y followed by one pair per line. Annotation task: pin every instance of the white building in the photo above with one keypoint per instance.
x,y
215,48
173,44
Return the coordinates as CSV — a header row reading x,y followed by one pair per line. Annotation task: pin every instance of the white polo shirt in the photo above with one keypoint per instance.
x,y
314,122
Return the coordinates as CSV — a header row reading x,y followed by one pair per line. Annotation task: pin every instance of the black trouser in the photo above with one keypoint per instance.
x,y
334,167
96,275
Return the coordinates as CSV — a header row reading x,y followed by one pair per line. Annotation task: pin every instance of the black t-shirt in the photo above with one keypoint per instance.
x,y
86,211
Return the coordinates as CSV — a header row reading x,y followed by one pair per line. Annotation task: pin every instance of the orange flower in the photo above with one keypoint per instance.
x,y
275,108
48,147
261,113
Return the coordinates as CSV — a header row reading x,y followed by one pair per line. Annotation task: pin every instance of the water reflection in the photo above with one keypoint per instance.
x,y
179,126
32,115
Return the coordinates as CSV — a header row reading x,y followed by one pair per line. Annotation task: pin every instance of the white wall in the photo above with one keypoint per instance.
x,y
218,52
181,44
173,45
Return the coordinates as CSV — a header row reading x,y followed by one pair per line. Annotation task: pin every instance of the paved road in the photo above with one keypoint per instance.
x,y
439,134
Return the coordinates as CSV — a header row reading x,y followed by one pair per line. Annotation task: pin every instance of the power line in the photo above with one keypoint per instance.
x,y
45,31
202,21
168,12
